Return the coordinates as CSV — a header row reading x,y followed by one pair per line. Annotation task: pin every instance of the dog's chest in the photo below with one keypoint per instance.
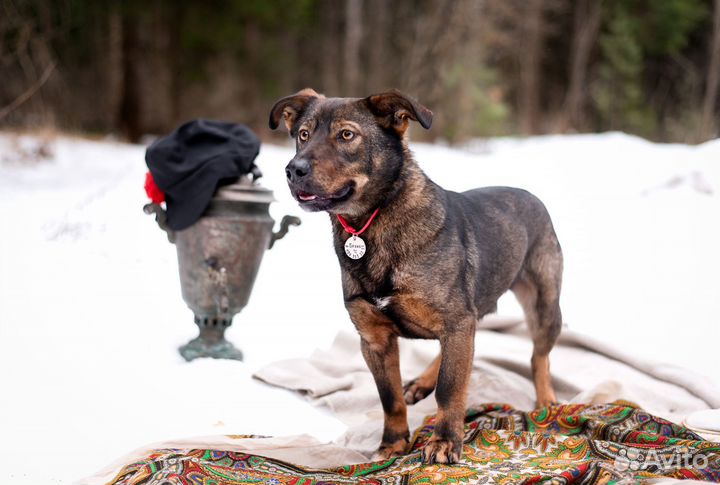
x,y
382,282
412,315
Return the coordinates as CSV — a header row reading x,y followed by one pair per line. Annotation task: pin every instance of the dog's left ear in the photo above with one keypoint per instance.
x,y
291,107
394,109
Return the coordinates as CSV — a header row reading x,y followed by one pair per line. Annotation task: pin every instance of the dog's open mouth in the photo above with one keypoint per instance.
x,y
305,196
323,201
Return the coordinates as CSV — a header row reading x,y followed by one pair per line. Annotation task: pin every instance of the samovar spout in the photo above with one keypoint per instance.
x,y
285,224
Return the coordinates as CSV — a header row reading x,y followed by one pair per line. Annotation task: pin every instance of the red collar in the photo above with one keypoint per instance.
x,y
352,230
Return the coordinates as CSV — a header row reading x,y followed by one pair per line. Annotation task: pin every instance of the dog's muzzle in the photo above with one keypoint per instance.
x,y
297,169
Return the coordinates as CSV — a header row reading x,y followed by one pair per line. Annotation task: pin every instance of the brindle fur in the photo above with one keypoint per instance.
x,y
437,261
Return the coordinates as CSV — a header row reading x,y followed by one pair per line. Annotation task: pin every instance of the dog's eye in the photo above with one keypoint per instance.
x,y
303,135
347,135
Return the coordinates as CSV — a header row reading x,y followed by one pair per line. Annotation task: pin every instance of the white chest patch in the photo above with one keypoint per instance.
x,y
383,302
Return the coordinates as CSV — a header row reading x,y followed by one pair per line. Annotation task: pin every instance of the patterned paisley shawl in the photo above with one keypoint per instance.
x,y
609,443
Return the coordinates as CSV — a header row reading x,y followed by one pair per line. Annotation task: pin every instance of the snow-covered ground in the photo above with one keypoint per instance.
x,y
91,313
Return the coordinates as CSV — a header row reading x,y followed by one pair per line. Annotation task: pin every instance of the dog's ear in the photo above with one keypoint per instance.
x,y
291,107
394,109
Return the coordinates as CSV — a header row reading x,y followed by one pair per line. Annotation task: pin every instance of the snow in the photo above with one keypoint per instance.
x,y
91,313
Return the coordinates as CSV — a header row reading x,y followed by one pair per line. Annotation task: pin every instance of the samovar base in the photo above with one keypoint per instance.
x,y
211,341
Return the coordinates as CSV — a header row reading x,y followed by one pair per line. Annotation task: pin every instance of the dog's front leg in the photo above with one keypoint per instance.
x,y
384,363
457,348
379,345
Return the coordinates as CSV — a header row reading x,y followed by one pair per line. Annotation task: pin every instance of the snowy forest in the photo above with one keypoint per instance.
x,y
485,67
608,111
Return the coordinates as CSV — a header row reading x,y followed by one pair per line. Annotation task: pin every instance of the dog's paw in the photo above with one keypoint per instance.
x,y
391,450
545,400
441,451
546,403
415,391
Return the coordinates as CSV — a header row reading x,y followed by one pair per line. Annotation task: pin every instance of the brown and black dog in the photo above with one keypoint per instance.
x,y
436,262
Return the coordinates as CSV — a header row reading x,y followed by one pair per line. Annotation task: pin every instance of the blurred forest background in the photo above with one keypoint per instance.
x,y
485,67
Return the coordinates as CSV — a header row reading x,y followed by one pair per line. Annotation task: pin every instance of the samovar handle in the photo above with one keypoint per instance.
x,y
285,224
160,218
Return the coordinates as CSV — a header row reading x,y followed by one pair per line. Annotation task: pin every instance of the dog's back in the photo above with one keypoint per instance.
x,y
499,227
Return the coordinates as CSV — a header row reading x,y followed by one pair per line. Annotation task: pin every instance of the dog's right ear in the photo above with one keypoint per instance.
x,y
291,107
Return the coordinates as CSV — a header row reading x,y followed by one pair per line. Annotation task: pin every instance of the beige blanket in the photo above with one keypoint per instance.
x,y
584,371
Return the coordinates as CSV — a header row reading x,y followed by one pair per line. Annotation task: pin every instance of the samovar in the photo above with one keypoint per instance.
x,y
219,257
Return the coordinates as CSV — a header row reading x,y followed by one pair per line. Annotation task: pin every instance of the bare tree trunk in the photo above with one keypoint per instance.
x,y
709,117
129,112
22,51
251,84
530,58
588,14
378,77
330,65
432,40
353,37
114,66
176,19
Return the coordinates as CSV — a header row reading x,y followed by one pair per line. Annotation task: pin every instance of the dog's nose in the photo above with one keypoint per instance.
x,y
297,169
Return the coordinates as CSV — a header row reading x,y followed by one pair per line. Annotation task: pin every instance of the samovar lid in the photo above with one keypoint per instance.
x,y
245,190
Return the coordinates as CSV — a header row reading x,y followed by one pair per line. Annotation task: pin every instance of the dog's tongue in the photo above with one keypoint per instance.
x,y
306,196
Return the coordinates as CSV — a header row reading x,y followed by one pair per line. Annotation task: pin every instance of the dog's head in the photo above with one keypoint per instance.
x,y
349,151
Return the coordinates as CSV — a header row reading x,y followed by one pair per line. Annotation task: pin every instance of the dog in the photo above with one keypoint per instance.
x,y
418,261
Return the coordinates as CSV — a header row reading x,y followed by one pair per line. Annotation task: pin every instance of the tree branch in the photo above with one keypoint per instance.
x,y
28,92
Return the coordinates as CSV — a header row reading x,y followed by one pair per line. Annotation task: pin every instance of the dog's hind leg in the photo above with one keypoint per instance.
x,y
537,288
421,387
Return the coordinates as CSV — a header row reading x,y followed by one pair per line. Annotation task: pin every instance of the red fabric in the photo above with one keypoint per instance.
x,y
351,229
153,191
